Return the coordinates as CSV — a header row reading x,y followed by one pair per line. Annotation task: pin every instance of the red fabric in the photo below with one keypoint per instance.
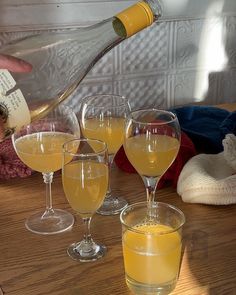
x,y
10,165
186,151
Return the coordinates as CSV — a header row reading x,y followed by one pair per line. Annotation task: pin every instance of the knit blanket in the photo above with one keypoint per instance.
x,y
210,178
10,165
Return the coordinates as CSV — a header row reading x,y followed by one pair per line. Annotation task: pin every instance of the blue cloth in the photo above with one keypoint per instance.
x,y
206,126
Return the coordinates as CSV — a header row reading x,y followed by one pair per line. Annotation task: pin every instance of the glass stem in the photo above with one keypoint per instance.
x,y
48,177
150,185
110,162
87,235
150,194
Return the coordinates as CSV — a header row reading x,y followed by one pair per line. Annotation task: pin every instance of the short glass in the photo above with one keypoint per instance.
x,y
152,247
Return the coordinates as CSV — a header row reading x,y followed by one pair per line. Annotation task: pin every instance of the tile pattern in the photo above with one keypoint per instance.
x,y
172,63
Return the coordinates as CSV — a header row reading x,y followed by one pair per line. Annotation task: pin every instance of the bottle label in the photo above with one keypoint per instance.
x,y
14,110
136,17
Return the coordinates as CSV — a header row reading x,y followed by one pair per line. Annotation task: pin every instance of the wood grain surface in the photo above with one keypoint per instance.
x,y
32,264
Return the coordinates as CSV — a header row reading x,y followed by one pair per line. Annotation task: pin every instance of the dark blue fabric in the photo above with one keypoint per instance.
x,y
206,126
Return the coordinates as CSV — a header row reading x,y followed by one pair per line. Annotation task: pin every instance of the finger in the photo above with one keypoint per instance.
x,y
14,64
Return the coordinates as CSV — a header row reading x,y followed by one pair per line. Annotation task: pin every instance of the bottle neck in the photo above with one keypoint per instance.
x,y
156,7
139,16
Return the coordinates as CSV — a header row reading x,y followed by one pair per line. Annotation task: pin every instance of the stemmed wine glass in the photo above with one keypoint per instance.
x,y
39,146
85,175
152,141
103,117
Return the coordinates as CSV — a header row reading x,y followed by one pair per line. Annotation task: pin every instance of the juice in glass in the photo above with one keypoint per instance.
x,y
108,129
151,154
42,151
151,247
85,185
156,254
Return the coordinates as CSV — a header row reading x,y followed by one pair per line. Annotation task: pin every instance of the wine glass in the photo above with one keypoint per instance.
x,y
103,118
39,146
85,176
152,141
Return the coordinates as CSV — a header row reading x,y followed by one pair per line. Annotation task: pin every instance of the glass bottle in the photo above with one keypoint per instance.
x,y
60,61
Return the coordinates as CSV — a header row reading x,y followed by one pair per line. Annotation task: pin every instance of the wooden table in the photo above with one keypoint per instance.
x,y
32,264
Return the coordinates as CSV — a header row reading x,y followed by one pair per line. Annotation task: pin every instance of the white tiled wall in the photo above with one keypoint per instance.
x,y
171,63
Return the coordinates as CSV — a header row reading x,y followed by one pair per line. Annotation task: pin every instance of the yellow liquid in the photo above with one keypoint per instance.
x,y
152,259
153,154
42,151
85,185
108,129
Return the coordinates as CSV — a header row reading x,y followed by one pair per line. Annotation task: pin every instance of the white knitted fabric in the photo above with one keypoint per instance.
x,y
210,178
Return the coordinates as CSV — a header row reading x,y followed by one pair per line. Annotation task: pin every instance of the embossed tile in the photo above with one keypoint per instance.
x,y
5,37
197,41
86,89
105,66
145,92
187,34
230,41
227,87
194,86
147,51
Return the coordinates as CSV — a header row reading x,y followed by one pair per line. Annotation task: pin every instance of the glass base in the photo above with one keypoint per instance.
x,y
112,205
148,289
49,224
86,253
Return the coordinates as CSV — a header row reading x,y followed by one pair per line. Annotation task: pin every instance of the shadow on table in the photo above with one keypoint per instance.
x,y
217,273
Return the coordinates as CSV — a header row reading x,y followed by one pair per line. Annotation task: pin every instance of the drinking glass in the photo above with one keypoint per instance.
x,y
103,118
39,146
152,141
85,180
152,250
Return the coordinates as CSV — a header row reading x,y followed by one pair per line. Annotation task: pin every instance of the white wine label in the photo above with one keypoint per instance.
x,y
14,110
6,81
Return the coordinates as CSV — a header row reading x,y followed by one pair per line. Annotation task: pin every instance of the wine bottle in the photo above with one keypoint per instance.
x,y
60,61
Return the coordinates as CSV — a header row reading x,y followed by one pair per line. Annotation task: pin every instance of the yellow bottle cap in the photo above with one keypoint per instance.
x,y
136,17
